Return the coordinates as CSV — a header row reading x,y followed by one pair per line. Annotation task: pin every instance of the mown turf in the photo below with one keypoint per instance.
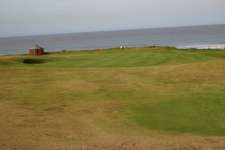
x,y
118,58
76,97
198,113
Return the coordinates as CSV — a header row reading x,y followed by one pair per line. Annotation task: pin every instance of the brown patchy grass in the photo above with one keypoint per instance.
x,y
87,108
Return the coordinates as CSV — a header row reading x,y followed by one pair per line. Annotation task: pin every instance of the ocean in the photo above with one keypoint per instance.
x,y
211,36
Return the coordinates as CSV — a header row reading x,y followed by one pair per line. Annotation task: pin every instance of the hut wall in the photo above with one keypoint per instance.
x,y
36,52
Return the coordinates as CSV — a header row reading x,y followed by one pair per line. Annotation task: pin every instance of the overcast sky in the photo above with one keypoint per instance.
x,y
28,17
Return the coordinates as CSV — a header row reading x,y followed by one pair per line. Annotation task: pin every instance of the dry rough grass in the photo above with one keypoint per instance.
x,y
87,108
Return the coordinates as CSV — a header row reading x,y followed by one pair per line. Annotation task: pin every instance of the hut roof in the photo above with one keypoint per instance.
x,y
36,46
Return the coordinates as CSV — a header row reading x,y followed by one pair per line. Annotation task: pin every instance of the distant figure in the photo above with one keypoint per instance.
x,y
122,47
36,50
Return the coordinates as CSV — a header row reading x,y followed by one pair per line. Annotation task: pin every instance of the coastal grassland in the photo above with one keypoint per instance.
x,y
131,57
136,98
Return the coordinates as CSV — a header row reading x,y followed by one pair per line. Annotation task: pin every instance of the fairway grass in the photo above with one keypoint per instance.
x,y
129,99
134,57
199,113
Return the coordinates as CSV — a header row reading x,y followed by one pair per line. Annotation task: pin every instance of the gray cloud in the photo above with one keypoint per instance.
x,y
27,17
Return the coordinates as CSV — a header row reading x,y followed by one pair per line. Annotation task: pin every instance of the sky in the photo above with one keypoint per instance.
x,y
35,17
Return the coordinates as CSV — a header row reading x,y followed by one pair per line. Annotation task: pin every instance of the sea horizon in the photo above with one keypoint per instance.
x,y
200,36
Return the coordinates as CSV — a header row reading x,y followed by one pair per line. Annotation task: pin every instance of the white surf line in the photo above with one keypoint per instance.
x,y
206,46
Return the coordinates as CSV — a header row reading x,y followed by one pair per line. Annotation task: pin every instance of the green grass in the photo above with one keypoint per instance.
x,y
197,113
135,57
81,96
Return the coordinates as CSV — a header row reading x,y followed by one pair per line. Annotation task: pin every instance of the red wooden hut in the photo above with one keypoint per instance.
x,y
36,50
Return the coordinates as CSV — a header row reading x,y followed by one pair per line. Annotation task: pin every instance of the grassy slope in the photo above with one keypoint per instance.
x,y
117,58
79,96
